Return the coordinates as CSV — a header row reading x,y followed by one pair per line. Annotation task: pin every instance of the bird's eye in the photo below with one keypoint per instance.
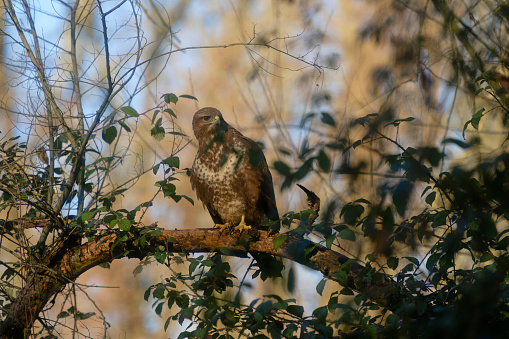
x,y
206,118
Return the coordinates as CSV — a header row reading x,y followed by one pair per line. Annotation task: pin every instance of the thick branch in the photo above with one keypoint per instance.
x,y
45,283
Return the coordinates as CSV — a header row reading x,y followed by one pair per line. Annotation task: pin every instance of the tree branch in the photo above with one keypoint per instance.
x,y
66,267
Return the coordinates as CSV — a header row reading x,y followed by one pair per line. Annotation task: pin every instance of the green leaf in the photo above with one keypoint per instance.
x,y
457,142
295,310
188,199
176,197
431,198
87,215
124,125
323,161
146,295
182,301
167,323
330,241
84,316
401,196
156,112
320,286
159,292
346,291
187,96
124,224
439,219
486,257
170,112
432,261
109,134
351,212
113,223
282,168
170,97
280,241
311,249
290,330
321,314
303,171
177,133
137,270
392,319
356,144
413,260
425,190
156,168
192,266
304,149
328,119
173,162
130,111
366,118
63,314
157,132
476,118
169,189
372,331
347,234
8,274
159,309
258,317
410,150
393,263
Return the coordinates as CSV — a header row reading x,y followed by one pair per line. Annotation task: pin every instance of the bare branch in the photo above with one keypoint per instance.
x,y
36,60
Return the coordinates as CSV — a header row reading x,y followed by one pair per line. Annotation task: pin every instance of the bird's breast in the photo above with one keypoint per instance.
x,y
217,165
218,183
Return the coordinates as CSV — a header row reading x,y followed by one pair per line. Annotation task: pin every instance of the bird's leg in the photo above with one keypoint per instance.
x,y
242,226
222,227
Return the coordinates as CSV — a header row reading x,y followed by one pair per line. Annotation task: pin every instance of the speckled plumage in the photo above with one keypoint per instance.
x,y
230,173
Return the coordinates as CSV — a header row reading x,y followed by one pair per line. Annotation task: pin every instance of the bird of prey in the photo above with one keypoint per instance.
x,y
230,175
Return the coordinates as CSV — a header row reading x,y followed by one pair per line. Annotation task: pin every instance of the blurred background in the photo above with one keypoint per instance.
x,y
331,62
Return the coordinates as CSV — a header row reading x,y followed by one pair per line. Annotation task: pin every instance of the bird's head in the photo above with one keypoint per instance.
x,y
207,122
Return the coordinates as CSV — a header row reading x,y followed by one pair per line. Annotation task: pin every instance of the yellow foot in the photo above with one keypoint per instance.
x,y
222,227
242,227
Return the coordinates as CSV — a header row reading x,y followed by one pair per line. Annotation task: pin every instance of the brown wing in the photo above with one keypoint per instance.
x,y
267,201
258,182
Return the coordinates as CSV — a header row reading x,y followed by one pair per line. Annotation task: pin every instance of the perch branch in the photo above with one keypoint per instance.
x,y
67,266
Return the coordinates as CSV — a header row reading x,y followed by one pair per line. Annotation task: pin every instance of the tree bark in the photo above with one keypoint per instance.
x,y
43,284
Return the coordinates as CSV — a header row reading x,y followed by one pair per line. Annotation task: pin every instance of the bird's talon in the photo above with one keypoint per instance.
x,y
222,227
242,226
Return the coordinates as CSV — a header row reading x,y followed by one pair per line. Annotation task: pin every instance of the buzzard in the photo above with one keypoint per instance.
x,y
230,174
